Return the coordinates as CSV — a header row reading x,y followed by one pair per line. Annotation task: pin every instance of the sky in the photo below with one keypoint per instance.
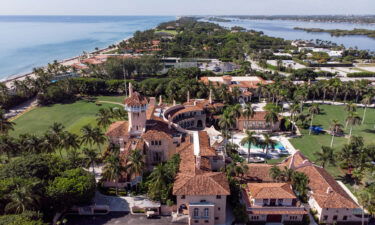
x,y
185,7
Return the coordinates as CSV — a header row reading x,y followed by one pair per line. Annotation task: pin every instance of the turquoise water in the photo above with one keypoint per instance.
x,y
277,146
284,29
30,41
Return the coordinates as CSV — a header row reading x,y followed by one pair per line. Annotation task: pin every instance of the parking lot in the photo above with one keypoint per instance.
x,y
118,219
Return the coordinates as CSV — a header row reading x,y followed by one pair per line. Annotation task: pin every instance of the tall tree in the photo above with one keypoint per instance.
x,y
248,112
313,110
113,169
5,124
367,100
353,119
334,129
91,157
326,156
248,140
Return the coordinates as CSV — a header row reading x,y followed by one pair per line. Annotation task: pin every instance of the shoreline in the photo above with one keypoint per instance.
x,y
69,61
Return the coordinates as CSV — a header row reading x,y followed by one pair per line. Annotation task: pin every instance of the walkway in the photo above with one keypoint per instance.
x,y
339,103
109,102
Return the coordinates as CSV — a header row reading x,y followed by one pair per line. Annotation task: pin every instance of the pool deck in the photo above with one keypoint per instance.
x,y
237,137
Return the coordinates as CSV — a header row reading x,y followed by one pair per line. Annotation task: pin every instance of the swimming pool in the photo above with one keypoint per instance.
x,y
278,146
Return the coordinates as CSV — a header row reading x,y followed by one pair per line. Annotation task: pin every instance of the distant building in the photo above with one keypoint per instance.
x,y
331,202
272,203
257,122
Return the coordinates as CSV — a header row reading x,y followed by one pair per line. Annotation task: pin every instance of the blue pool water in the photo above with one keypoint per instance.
x,y
277,146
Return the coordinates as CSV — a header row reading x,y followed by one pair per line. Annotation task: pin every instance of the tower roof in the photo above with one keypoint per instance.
x,y
135,99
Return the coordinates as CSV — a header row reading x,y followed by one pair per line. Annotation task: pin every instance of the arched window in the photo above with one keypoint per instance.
x,y
196,212
205,212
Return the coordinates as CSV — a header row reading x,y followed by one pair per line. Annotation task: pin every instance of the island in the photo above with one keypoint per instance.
x,y
339,32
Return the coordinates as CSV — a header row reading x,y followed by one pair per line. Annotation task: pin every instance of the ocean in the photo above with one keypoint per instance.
x,y
33,41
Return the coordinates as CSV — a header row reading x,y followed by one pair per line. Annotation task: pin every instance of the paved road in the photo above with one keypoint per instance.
x,y
119,219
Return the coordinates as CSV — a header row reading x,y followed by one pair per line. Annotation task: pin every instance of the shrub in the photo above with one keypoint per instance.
x,y
361,74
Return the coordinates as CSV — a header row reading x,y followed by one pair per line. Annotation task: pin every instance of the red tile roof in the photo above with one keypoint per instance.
x,y
278,212
209,183
117,129
204,144
136,99
258,116
271,190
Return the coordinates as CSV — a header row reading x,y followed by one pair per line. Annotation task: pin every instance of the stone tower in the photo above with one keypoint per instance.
x,y
136,106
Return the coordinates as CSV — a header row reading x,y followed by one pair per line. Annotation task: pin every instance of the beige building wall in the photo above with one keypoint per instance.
x,y
219,209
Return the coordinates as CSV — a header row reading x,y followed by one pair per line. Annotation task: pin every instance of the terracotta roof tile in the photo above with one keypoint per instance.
x,y
258,116
210,183
136,99
118,129
271,190
204,142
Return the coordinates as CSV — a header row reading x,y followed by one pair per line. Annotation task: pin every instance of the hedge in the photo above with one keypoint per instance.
x,y
361,74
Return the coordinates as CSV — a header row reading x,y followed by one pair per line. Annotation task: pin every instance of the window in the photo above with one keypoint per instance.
x,y
183,197
265,201
255,217
325,218
218,209
216,218
196,221
159,142
345,218
335,217
218,196
205,212
152,142
203,200
196,212
206,221
280,201
293,217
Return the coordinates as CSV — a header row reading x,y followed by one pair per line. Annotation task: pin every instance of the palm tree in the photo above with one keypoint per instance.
x,y
300,183
313,110
226,121
248,112
366,198
249,139
294,110
91,157
271,117
158,180
135,163
87,135
5,124
326,156
335,127
103,118
49,143
268,142
276,173
33,144
8,146
70,141
98,137
22,199
352,120
367,100
113,169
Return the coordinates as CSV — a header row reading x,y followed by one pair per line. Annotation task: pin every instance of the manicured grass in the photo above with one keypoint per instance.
x,y
173,32
73,116
118,99
310,144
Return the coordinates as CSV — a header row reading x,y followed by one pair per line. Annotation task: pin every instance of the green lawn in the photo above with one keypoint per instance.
x,y
73,116
172,32
118,99
310,144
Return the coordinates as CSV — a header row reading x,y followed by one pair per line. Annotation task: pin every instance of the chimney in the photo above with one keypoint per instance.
x,y
210,97
174,102
130,89
329,190
188,96
160,100
195,103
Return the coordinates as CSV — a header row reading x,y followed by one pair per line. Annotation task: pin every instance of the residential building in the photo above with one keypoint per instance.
x,y
247,85
201,193
332,203
257,122
272,202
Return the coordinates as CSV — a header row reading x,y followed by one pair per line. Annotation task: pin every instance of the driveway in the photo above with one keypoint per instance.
x,y
116,218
